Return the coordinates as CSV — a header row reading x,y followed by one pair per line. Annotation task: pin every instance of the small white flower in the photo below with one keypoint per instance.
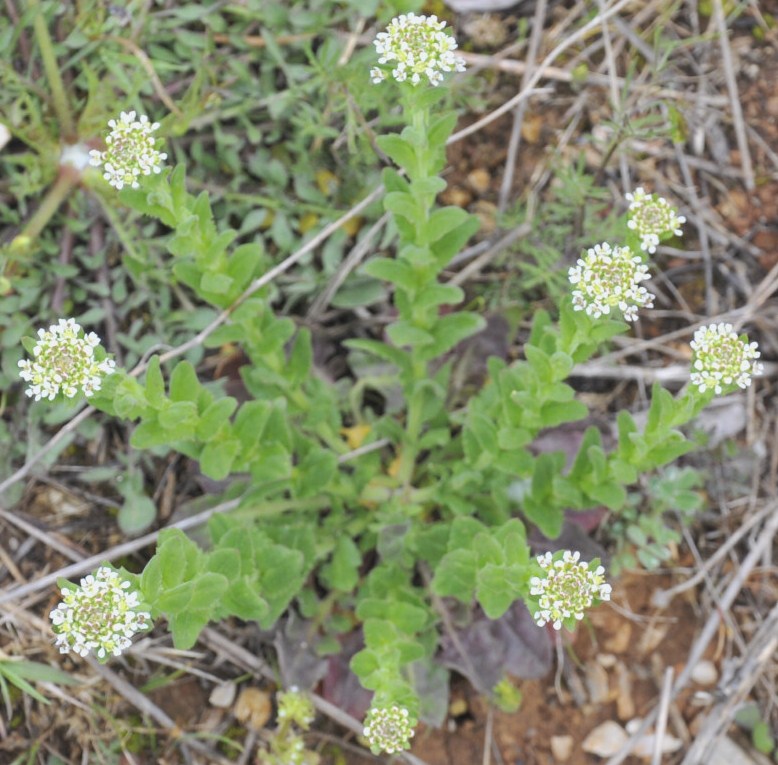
x,y
567,588
722,359
652,218
609,277
295,706
100,616
388,730
130,151
64,362
416,47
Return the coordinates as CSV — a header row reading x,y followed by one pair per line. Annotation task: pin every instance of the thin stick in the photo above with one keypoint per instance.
x,y
82,566
538,75
734,96
662,598
489,729
144,704
250,661
87,564
538,22
708,632
661,723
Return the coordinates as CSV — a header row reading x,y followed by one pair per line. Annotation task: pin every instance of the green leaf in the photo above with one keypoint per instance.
x,y
130,399
389,353
452,329
434,295
400,151
215,283
155,385
403,333
179,420
217,457
136,514
224,561
243,600
208,589
364,664
497,588
342,572
298,366
404,616
186,627
175,599
444,221
441,128
559,412
396,272
214,417
184,385
449,245
455,575
401,204
314,472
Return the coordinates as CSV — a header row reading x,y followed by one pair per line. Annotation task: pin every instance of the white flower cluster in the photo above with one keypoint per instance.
x,y
721,359
100,616
295,706
130,151
652,218
388,730
64,362
568,588
609,277
416,47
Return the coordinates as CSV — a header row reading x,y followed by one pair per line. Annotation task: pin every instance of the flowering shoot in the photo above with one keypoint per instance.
x,y
130,151
609,277
567,588
100,616
722,359
388,730
64,361
416,47
652,218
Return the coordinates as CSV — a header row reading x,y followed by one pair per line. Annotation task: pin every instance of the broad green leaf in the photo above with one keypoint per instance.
x,y
455,575
403,333
207,590
404,616
243,600
342,572
398,150
217,457
186,627
452,329
216,414
444,221
184,385
155,385
396,272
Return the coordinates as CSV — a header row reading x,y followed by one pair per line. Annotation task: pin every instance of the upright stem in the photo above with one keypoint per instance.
x,y
56,195
50,65
419,368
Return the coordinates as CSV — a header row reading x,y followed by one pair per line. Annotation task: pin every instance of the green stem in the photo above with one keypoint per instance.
x,y
56,195
419,368
50,65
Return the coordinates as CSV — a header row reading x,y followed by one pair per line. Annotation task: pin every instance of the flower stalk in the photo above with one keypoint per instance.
x,y
51,67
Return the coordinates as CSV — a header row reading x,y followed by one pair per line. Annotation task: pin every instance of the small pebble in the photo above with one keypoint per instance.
x,y
253,708
605,740
223,695
479,180
705,673
561,747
